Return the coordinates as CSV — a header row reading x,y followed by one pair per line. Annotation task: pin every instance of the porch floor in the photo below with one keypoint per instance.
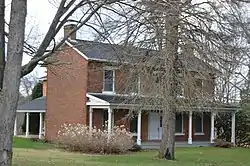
x,y
156,145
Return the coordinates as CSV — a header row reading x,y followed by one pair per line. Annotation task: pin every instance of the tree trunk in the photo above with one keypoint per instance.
x,y
167,147
12,73
172,65
2,42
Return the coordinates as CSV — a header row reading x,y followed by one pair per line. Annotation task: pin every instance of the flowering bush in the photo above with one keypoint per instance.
x,y
78,137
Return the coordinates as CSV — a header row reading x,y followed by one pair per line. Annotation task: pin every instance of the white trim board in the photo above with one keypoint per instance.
x,y
78,51
34,111
96,101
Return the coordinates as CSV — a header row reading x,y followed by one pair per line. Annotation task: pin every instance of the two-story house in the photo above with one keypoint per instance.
x,y
86,85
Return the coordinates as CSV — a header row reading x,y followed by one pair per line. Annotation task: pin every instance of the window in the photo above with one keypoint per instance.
x,y
180,89
133,125
109,80
158,77
179,123
180,85
199,86
199,124
133,83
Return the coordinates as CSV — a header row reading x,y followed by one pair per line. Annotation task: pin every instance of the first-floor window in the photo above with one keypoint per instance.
x,y
179,123
199,123
133,125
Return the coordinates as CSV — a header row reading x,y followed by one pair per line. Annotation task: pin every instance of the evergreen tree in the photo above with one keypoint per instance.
x,y
37,91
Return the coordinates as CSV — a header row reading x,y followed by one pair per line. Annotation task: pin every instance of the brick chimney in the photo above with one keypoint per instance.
x,y
68,29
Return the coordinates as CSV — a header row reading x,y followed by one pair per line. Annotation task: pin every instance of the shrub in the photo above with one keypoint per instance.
x,y
135,148
78,138
222,143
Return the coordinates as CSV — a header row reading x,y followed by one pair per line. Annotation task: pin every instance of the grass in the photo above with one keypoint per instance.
x,y
29,144
40,154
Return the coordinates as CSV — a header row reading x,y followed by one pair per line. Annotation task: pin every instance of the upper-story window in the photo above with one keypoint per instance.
x,y
109,81
180,89
199,86
180,85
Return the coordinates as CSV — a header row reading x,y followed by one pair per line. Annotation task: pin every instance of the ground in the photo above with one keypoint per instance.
x,y
30,153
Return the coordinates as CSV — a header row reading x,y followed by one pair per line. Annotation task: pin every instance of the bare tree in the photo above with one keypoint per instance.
x,y
2,41
12,74
186,42
27,83
14,71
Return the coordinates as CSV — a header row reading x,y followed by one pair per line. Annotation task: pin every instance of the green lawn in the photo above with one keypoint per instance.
x,y
34,153
29,144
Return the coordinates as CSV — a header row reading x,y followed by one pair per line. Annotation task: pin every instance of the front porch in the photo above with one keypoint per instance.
x,y
35,107
191,130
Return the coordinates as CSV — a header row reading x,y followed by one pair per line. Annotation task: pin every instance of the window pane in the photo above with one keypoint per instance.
x,y
133,125
180,89
108,80
198,124
178,123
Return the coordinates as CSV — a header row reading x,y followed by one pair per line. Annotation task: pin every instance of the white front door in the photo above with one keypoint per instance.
x,y
155,126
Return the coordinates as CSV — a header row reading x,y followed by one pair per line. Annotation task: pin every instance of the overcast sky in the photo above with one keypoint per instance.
x,y
39,16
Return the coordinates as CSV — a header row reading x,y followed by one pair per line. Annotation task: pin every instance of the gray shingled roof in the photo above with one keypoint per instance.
x,y
108,52
117,53
116,99
37,104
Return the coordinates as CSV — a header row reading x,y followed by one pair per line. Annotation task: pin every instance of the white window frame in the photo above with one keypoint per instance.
x,y
109,69
138,86
182,126
202,126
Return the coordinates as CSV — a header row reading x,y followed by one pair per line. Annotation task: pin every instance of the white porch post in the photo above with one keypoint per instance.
x,y
212,127
90,118
40,125
233,129
27,124
15,126
139,128
109,120
113,120
190,128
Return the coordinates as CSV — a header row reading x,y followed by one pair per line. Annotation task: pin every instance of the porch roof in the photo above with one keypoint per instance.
x,y
128,101
36,105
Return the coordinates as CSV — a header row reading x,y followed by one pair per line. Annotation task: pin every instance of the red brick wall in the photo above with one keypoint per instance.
x,y
95,78
66,91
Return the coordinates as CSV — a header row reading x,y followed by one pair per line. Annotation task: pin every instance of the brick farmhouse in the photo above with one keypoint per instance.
x,y
86,85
